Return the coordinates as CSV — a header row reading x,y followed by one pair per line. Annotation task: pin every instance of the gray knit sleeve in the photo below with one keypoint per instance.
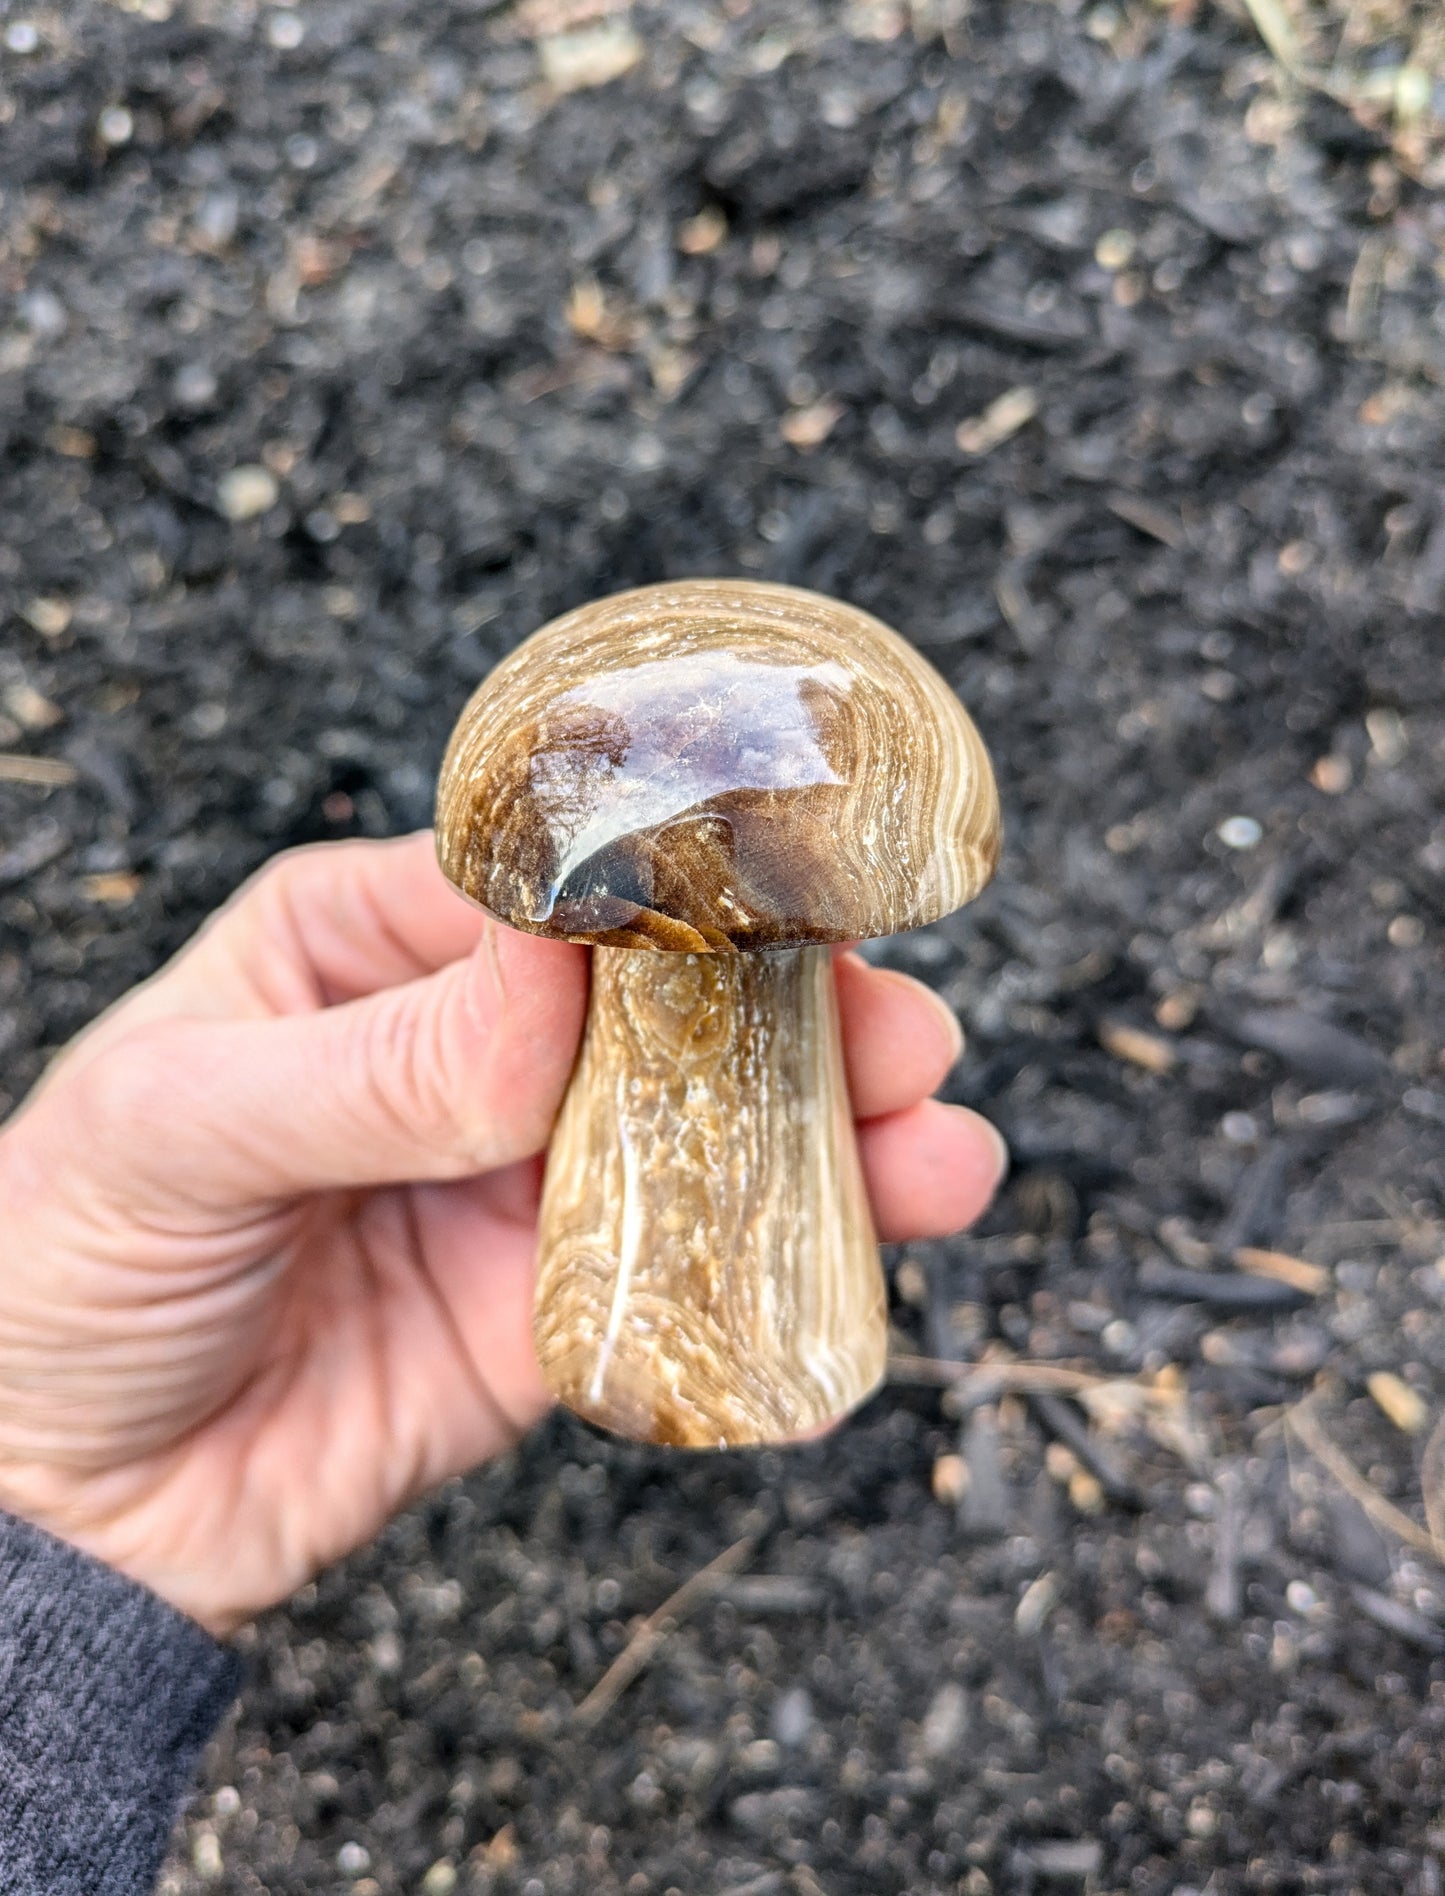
x,y
107,1696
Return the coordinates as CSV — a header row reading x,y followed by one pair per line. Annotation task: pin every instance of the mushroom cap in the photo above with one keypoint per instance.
x,y
716,764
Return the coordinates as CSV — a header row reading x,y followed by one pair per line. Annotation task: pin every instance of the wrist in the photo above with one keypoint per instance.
x,y
101,1518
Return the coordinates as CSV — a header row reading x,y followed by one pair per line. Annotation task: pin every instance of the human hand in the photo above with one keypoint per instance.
x,y
266,1266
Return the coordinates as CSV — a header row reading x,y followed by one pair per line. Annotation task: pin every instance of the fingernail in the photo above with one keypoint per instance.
x,y
951,1022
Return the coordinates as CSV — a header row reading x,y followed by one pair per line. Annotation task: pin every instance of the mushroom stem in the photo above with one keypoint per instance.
x,y
708,1274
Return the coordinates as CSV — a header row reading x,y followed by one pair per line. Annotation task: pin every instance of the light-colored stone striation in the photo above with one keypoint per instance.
x,y
709,1275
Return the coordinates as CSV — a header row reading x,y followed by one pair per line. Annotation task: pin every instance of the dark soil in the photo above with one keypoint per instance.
x,y
362,252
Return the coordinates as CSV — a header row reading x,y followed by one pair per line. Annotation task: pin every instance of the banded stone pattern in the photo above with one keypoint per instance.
x,y
708,1271
716,764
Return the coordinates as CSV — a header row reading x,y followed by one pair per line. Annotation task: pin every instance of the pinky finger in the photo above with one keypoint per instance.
x,y
931,1169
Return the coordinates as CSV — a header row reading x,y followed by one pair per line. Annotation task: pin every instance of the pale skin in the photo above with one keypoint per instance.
x,y
267,1250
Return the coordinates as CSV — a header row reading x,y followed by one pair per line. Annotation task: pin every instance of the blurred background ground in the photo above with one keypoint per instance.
x,y
1101,353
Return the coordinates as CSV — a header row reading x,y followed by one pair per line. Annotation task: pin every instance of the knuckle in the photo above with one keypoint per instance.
x,y
273,891
128,1084
104,1131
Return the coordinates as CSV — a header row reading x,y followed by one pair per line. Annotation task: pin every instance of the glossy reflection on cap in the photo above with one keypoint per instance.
x,y
716,764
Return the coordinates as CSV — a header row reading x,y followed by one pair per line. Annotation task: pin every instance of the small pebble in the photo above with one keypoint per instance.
x,y
1240,832
49,617
1061,1464
285,31
1114,250
950,1479
44,313
353,1859
910,1280
1386,731
1394,1397
593,56
1239,1128
1119,1337
1332,775
810,427
246,492
1086,1492
21,36
440,1879
1037,1602
206,1856
946,1720
116,126
217,217
793,1719
1219,686
1177,1010
195,385
116,888
1300,1597
703,233
1150,1051
385,1654
30,708
1003,417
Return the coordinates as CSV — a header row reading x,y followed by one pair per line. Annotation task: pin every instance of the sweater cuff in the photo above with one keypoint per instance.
x,y
107,1698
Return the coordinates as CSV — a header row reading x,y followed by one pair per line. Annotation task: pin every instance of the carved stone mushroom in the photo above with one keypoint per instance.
x,y
710,781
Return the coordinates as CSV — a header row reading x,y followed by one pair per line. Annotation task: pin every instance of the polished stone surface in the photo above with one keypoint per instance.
x,y
713,767
708,1272
715,764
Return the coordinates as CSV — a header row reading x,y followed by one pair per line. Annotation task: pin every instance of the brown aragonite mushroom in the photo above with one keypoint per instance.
x,y
736,775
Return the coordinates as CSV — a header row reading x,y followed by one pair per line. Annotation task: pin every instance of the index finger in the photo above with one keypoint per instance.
x,y
316,926
338,921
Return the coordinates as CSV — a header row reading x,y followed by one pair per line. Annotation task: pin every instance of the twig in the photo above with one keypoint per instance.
x,y
983,1382
639,1651
1350,86
1362,299
48,772
1222,1592
1275,28
1432,1480
1166,527
1307,1426
1312,1279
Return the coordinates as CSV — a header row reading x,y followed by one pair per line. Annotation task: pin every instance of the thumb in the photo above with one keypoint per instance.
x,y
439,1078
